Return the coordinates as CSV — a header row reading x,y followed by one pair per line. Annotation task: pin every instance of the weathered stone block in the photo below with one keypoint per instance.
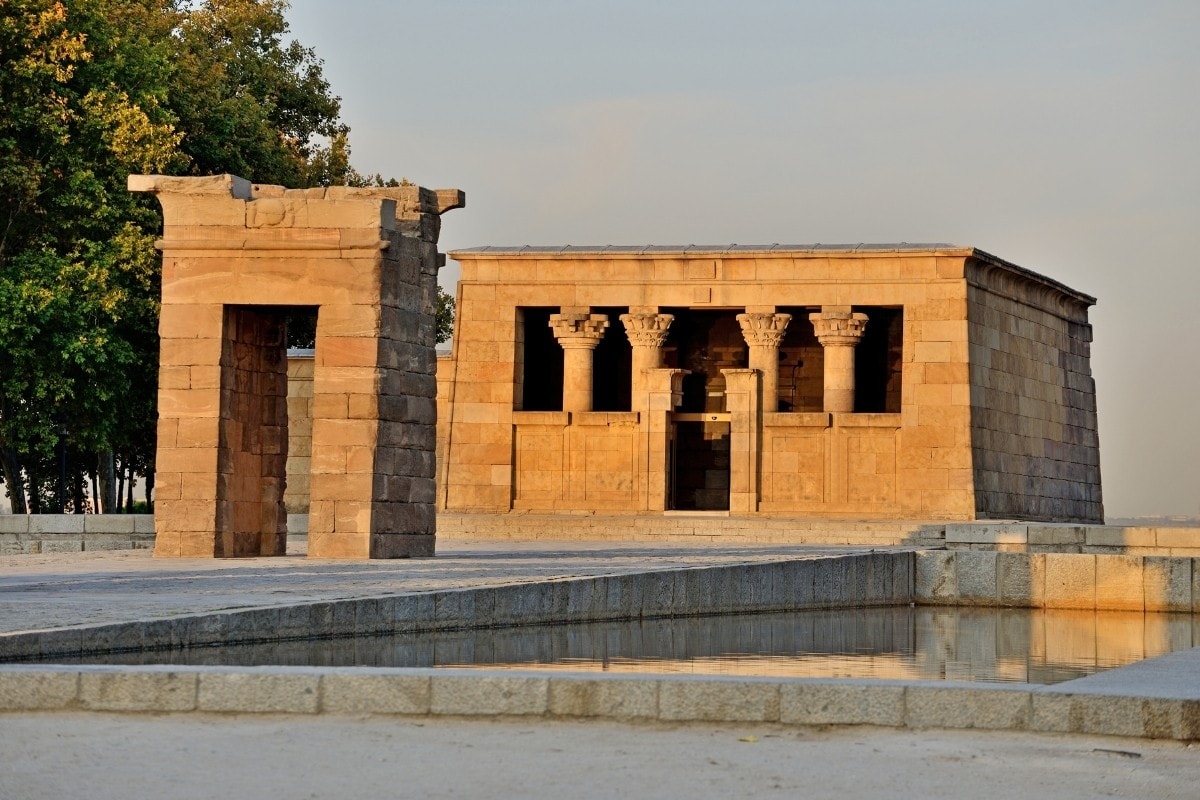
x,y
259,692
992,708
478,695
35,689
841,703
719,700
976,577
612,697
1167,583
146,689
1070,580
371,692
1119,583
936,578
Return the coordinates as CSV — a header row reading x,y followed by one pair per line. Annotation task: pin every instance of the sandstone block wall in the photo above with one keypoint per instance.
x,y
299,452
1033,400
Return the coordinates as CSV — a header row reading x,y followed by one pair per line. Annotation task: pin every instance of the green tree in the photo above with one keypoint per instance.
x,y
83,108
93,90
247,101
444,315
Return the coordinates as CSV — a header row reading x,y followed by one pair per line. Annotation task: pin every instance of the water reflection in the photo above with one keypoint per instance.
x,y
1023,645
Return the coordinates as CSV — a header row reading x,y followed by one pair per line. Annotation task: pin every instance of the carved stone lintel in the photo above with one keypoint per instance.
x,y
647,330
579,330
837,328
763,330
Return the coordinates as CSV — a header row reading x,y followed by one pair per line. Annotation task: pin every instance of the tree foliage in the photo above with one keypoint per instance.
x,y
444,315
93,90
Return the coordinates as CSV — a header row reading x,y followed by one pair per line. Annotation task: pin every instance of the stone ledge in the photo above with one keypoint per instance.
x,y
668,698
1057,580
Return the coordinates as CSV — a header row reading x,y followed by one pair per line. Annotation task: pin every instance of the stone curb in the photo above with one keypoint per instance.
x,y
673,698
845,581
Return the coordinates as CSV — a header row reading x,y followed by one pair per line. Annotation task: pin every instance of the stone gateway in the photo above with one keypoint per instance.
x,y
238,259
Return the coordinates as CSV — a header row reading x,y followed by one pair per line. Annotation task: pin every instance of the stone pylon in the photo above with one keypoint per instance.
x,y
238,259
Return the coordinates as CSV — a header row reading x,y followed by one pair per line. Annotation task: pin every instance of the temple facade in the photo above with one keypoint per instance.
x,y
810,381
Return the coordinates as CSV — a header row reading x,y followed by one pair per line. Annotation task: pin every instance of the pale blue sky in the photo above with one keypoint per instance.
x,y
1059,135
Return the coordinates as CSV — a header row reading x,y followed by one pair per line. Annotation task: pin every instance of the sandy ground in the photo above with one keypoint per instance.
x,y
103,756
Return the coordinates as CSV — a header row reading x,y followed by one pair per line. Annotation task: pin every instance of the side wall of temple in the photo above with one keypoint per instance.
x,y
1034,433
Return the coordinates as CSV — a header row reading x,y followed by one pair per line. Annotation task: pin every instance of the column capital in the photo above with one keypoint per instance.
x,y
763,329
578,330
647,330
838,328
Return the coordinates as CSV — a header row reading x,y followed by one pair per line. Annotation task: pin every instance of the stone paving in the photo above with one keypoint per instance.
x,y
64,589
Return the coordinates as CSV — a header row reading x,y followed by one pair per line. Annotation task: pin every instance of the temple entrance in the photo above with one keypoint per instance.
x,y
705,343
700,463
253,433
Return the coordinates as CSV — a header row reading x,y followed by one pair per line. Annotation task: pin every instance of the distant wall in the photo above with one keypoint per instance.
x,y
300,417
72,533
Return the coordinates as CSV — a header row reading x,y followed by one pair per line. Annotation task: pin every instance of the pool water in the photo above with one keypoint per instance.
x,y
912,643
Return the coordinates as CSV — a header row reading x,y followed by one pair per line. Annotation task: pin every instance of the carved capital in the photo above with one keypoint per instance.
x,y
764,330
647,330
578,330
838,328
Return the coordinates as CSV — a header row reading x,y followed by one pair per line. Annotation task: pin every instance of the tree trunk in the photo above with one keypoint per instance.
x,y
14,481
108,489
90,479
150,492
119,499
129,497
35,495
78,495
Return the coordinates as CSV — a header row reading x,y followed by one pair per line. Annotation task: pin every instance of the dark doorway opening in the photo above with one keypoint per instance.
x,y
612,365
878,360
539,362
700,463
253,432
801,364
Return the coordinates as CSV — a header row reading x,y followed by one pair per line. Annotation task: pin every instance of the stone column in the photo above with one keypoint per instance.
x,y
839,331
743,398
764,333
646,332
578,334
664,393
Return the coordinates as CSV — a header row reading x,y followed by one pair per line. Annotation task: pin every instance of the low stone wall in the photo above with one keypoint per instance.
x,y
1036,537
73,533
47,533
1057,580
853,581
666,698
715,527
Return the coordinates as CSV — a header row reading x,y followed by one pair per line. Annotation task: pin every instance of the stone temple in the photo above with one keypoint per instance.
x,y
899,381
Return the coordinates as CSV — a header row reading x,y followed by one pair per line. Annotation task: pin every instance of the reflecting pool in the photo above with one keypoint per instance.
x,y
923,643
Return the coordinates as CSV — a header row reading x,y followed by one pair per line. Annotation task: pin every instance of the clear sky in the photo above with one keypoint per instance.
x,y
1063,135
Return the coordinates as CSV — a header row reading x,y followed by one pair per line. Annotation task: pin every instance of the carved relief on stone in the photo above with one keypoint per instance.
x,y
762,329
647,330
578,330
838,328
270,212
